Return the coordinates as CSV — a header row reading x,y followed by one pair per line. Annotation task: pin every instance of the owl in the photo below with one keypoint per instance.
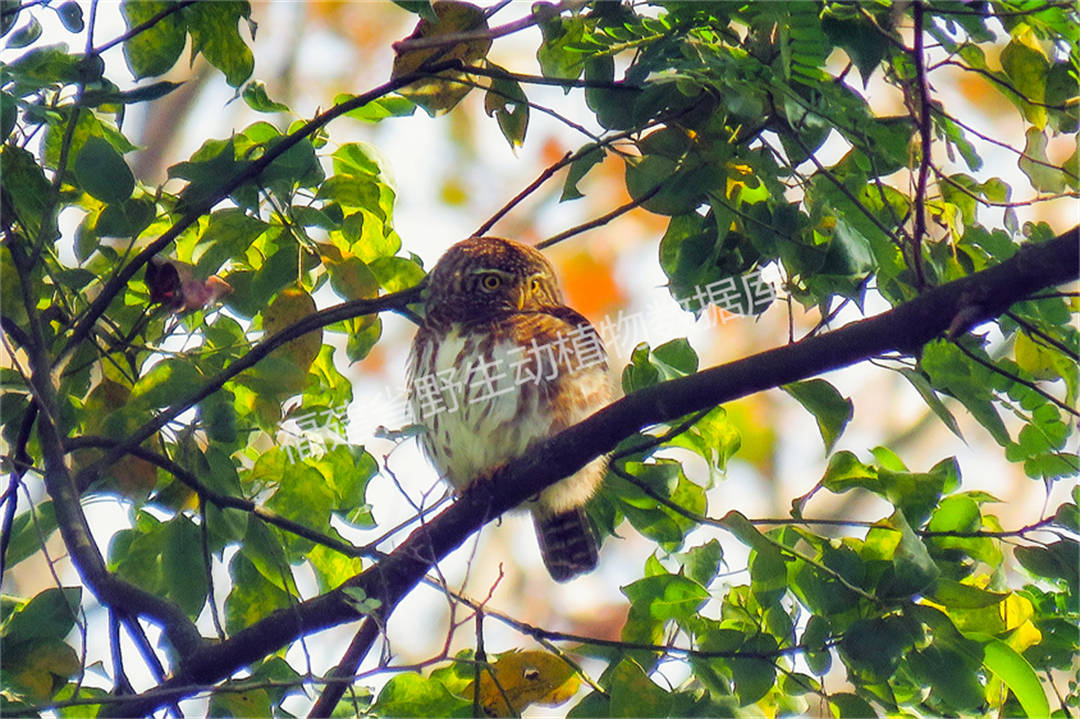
x,y
499,364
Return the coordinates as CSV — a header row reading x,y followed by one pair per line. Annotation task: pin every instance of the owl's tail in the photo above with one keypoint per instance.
x,y
567,543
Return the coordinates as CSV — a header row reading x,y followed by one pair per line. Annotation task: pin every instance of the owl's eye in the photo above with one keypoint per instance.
x,y
535,286
490,282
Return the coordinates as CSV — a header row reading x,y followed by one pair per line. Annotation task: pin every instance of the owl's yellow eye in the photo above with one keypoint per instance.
x,y
535,286
490,282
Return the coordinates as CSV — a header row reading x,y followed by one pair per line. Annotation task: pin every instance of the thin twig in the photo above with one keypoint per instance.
x,y
541,179
450,39
144,26
599,221
1033,330
921,109
1019,380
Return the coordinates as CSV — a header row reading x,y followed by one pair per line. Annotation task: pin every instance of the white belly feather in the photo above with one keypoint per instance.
x,y
479,405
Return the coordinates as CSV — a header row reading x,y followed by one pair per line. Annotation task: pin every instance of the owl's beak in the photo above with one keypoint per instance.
x,y
522,295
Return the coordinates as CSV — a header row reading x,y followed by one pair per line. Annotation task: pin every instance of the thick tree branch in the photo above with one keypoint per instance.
x,y
979,297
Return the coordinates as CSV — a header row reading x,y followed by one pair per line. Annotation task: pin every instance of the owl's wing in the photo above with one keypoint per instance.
x,y
553,325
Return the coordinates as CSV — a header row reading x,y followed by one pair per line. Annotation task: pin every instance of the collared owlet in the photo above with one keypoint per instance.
x,y
499,364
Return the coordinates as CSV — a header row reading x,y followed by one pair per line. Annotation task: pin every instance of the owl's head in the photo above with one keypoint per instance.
x,y
484,277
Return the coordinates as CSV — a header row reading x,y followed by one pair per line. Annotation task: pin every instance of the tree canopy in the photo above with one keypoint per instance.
x,y
157,336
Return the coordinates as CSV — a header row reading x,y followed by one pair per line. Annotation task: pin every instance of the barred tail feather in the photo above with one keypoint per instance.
x,y
567,543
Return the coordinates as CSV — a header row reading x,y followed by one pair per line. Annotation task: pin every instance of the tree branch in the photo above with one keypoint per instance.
x,y
979,297
921,111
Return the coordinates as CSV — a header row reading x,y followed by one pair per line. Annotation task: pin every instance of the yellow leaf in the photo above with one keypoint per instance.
x,y
1015,611
1026,635
1034,358
42,670
290,306
525,678
437,96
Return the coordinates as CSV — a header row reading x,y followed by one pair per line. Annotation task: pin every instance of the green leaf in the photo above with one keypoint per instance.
x,y
216,159
859,39
256,98
252,596
851,706
701,563
922,386
396,273
633,694
754,677
165,382
1017,674
954,595
411,695
49,615
420,7
29,193
1056,560
873,648
102,172
814,637
71,16
831,410
214,33
156,49
555,59
182,566
28,531
26,35
506,101
228,235
912,570
1044,175
667,596
669,187
588,157
380,109
146,93
1026,68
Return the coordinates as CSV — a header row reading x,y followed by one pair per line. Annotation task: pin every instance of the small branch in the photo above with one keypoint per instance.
x,y
827,174
599,221
144,26
532,187
1033,330
346,668
991,12
1004,84
222,501
1019,380
1003,534
456,38
22,461
208,567
552,81
921,110
1003,145
993,203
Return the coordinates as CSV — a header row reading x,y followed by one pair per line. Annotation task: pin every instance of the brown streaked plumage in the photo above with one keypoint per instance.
x,y
499,364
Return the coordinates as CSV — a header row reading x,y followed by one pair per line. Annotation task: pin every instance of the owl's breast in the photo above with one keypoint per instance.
x,y
480,397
